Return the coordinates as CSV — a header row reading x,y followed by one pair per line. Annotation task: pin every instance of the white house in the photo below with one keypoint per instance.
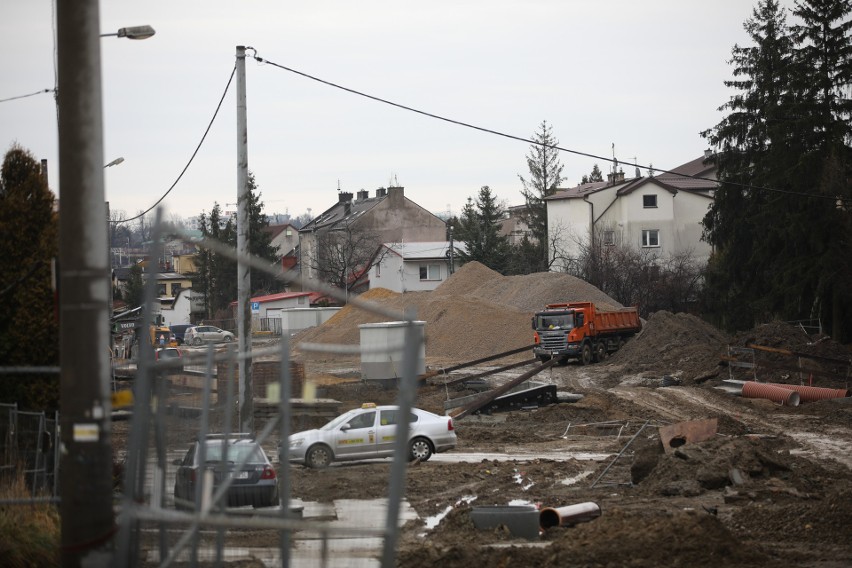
x,y
660,213
410,267
178,311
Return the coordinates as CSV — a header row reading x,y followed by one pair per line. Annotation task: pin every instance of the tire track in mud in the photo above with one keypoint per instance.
x,y
688,403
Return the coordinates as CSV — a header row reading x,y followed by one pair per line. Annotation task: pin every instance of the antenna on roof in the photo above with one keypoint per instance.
x,y
638,173
614,160
338,184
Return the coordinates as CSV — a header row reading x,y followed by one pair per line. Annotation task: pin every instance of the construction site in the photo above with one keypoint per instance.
x,y
679,461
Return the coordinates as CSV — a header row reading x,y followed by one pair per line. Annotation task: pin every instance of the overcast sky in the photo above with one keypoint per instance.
x,y
645,76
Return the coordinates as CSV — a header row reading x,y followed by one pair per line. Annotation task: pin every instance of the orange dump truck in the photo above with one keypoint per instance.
x,y
582,330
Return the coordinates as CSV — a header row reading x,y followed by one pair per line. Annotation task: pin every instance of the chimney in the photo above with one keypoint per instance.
x,y
396,190
615,177
363,194
381,192
344,196
708,153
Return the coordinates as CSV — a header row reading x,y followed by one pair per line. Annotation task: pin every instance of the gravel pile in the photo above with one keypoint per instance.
x,y
475,313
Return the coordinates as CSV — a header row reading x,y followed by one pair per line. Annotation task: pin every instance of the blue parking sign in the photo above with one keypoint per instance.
x,y
255,306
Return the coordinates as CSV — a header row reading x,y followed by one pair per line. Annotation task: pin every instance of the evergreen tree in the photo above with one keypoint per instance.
x,y
595,176
29,326
217,274
134,292
479,228
782,251
545,175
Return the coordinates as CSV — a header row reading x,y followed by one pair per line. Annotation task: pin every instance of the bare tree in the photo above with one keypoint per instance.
x,y
638,276
343,254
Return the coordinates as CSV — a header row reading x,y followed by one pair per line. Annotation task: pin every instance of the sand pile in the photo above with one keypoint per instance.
x,y
475,313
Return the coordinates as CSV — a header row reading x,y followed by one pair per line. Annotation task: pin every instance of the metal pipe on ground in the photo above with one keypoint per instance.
x,y
811,394
567,516
783,396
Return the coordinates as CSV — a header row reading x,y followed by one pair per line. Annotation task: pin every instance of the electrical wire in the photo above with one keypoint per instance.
x,y
41,92
613,160
191,158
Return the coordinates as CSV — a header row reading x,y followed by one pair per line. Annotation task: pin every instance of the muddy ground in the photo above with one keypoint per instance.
x,y
772,487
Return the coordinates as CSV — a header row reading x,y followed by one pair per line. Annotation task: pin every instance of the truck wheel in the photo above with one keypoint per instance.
x,y
600,352
586,354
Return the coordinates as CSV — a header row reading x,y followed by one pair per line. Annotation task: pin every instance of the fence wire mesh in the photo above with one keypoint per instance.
x,y
177,404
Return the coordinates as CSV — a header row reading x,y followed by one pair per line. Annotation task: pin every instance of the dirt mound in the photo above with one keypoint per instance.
x,y
474,313
528,292
680,345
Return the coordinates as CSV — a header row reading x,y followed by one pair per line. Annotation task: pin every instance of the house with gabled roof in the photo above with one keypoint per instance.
x,y
388,215
658,213
410,267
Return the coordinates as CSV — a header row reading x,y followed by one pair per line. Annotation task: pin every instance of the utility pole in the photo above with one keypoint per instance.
x,y
243,236
86,488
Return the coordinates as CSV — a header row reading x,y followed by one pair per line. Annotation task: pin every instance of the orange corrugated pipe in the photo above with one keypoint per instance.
x,y
811,394
781,395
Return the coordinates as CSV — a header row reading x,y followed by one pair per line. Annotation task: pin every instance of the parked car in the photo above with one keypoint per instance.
x,y
238,458
178,330
171,354
369,432
205,333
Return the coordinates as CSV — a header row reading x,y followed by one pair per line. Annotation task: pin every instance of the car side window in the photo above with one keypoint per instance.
x,y
365,420
388,417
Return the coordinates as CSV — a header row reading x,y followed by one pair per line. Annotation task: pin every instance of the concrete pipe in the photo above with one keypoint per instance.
x,y
811,394
567,516
783,396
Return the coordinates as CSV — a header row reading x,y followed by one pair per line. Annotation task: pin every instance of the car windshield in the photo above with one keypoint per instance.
x,y
250,453
345,417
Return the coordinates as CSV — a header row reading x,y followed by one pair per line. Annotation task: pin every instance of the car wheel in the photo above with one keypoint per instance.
x,y
420,449
319,457
586,354
229,338
196,341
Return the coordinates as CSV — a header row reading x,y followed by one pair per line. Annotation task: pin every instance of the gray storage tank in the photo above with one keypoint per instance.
x,y
382,350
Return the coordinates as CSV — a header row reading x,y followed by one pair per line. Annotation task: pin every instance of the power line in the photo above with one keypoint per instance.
x,y
191,158
527,140
29,95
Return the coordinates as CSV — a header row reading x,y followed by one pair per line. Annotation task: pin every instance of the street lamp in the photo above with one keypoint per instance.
x,y
133,32
115,162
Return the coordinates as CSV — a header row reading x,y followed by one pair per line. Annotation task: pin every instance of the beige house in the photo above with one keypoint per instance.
x,y
389,215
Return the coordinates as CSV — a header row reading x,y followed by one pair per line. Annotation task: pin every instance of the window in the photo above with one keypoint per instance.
x,y
379,270
649,201
176,288
651,238
430,272
161,289
609,238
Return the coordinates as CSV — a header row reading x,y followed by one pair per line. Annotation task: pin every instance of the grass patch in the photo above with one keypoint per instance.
x,y
29,534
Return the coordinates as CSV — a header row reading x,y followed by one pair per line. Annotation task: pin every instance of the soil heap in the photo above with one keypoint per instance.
x,y
475,313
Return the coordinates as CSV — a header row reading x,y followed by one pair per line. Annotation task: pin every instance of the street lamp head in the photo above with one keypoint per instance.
x,y
115,162
134,32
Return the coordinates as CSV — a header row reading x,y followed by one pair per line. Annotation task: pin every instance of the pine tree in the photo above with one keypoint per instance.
x,y
783,251
217,274
29,326
479,228
545,175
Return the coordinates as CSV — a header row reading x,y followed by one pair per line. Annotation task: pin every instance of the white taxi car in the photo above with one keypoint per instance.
x,y
370,432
